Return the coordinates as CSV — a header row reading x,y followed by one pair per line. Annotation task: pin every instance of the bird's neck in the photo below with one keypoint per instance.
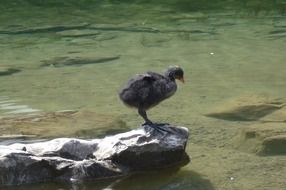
x,y
170,75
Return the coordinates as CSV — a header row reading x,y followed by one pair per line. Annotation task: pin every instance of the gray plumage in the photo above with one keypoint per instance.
x,y
145,91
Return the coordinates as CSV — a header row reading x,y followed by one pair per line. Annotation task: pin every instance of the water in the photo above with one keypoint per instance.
x,y
51,55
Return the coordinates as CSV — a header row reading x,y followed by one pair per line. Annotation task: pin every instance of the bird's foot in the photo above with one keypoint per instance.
x,y
161,124
149,123
158,127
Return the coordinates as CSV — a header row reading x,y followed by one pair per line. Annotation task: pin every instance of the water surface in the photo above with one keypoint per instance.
x,y
227,49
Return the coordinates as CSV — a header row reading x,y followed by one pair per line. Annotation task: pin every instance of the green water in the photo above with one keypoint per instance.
x,y
228,49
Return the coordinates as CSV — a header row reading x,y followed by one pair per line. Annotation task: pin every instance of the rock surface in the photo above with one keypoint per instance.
x,y
263,139
76,61
71,159
4,71
252,108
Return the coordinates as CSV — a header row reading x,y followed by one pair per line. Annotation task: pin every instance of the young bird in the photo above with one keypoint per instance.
x,y
145,91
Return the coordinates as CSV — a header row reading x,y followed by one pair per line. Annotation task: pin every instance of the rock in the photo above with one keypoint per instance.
x,y
72,159
250,108
263,139
4,71
277,116
43,125
274,145
76,61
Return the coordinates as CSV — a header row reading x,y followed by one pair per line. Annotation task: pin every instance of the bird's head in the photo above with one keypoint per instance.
x,y
175,72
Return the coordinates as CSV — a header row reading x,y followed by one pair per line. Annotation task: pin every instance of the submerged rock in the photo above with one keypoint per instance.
x,y
49,125
8,71
251,108
76,61
75,159
263,139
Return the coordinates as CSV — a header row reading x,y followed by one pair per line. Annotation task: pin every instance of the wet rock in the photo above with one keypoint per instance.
x,y
76,61
263,139
4,71
247,109
74,159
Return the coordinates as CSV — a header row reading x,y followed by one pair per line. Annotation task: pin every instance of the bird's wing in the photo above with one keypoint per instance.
x,y
156,76
148,77
144,84
162,86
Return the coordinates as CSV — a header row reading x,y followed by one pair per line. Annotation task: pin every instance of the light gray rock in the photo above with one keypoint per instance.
x,y
71,159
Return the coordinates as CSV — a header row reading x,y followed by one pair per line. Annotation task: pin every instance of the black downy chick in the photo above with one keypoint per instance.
x,y
145,91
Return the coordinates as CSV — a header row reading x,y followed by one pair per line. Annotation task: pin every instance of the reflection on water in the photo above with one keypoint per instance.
x,y
166,180
9,106
75,55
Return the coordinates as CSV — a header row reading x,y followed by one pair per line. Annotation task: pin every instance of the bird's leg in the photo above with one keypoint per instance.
x,y
148,122
143,114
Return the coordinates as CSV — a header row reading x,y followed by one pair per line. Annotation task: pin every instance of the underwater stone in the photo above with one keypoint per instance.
x,y
68,159
8,71
76,61
247,109
263,139
274,145
246,113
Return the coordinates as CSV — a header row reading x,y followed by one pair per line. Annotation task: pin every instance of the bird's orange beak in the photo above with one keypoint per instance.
x,y
182,79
